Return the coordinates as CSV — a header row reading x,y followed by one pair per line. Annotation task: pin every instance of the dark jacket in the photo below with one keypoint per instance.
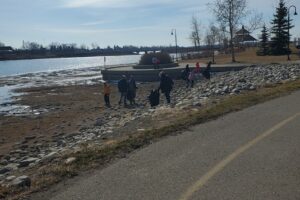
x,y
166,83
123,85
132,85
185,73
208,67
131,93
206,72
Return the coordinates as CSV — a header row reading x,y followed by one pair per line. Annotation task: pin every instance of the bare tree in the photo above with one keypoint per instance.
x,y
31,46
222,36
212,37
94,45
83,47
255,22
230,13
196,34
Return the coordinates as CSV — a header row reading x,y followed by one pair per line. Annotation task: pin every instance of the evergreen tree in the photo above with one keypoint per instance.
x,y
264,40
280,28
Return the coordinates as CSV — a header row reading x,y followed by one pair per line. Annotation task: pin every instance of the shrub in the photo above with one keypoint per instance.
x,y
164,58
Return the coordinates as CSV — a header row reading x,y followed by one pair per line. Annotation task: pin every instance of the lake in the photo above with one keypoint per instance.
x,y
16,67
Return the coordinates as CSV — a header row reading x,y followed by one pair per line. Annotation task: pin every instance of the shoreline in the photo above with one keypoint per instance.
x,y
81,76
77,116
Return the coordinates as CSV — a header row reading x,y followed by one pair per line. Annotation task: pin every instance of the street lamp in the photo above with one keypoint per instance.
x,y
292,6
173,32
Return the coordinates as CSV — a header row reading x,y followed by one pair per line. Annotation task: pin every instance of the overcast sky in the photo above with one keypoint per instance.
x,y
112,22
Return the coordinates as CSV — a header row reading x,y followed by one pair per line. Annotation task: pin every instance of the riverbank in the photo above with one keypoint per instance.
x,y
76,119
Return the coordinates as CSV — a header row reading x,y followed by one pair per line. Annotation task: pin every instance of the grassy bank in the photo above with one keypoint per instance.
x,y
249,56
92,156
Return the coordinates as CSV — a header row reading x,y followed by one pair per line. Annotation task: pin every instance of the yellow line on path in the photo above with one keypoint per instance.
x,y
222,164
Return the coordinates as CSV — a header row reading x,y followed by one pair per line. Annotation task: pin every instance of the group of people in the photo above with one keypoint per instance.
x,y
189,75
155,62
127,87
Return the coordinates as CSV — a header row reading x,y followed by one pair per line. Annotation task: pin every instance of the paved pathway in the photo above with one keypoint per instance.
x,y
251,154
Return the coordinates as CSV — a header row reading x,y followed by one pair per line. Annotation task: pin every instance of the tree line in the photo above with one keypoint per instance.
x,y
31,50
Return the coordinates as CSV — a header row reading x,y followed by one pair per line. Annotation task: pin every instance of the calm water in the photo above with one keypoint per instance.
x,y
14,67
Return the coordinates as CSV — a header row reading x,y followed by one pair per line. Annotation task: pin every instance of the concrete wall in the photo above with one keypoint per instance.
x,y
152,66
141,75
152,75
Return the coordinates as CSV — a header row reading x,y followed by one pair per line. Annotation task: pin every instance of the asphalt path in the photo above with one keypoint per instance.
x,y
251,154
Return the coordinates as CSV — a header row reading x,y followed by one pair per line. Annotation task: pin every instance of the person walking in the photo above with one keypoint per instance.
x,y
131,90
106,92
191,78
123,89
197,69
185,75
166,85
206,72
155,62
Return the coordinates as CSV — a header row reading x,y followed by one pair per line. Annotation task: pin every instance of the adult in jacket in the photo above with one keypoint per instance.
x,y
166,85
123,89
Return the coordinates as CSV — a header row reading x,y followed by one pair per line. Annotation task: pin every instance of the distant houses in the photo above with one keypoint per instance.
x,y
243,37
6,49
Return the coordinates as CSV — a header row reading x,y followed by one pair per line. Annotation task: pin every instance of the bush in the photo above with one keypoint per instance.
x,y
164,58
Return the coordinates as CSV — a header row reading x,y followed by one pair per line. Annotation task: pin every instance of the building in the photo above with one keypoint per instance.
x,y
6,49
243,37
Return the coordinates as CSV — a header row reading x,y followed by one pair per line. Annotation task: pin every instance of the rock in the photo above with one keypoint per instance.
x,y
12,159
196,104
61,143
99,122
217,92
50,155
3,162
4,170
242,80
25,163
225,89
13,166
235,90
10,178
30,137
21,181
252,87
70,160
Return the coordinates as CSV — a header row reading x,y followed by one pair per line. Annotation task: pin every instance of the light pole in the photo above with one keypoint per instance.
x,y
173,32
292,6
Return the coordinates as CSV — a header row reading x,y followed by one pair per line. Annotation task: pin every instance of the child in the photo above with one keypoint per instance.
x,y
197,70
191,78
106,92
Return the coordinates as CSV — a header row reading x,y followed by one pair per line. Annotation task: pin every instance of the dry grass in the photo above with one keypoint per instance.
x,y
91,156
248,56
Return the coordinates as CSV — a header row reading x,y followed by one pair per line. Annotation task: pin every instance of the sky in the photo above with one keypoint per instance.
x,y
114,22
